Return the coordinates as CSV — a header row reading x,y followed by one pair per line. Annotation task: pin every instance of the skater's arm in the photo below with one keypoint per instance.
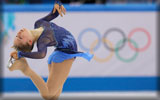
x,y
58,9
40,53
34,55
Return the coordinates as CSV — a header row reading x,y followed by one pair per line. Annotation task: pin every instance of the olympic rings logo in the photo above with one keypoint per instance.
x,y
118,46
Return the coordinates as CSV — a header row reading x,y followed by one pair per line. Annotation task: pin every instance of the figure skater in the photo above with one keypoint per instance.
x,y
47,34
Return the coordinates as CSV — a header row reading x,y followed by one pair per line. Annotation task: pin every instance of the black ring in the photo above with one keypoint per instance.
x,y
107,33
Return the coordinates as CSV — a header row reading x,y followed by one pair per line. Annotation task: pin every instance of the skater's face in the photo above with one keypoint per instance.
x,y
23,37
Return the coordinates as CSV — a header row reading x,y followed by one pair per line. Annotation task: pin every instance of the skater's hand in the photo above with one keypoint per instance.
x,y
14,54
60,9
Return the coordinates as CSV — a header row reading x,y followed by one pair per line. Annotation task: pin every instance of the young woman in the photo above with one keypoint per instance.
x,y
60,61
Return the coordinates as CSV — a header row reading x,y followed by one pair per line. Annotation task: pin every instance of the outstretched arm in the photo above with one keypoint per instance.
x,y
35,55
58,9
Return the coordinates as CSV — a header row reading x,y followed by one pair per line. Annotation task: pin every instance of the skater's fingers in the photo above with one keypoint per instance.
x,y
14,52
15,56
57,7
59,11
63,9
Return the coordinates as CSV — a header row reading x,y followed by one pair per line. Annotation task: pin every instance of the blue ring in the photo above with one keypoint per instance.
x,y
83,32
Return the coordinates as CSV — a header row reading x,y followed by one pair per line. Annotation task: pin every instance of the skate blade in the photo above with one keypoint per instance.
x,y
10,62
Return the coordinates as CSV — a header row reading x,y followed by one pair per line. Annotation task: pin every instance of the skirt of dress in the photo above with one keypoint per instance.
x,y
59,56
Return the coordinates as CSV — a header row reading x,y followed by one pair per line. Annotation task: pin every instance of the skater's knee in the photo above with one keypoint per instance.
x,y
54,97
47,97
50,97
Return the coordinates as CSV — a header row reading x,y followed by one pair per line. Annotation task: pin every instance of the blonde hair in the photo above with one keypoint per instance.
x,y
23,48
27,47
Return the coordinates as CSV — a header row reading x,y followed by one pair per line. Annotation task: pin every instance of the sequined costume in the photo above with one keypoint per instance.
x,y
59,37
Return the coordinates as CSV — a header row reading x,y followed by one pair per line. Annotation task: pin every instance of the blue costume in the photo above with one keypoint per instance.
x,y
54,35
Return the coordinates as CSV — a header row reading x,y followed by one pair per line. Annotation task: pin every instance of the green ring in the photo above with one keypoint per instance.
x,y
123,59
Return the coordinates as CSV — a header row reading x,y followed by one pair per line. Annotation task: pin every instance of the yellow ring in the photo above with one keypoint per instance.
x,y
102,60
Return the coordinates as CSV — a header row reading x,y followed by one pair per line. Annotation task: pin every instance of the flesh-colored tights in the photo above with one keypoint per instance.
x,y
58,73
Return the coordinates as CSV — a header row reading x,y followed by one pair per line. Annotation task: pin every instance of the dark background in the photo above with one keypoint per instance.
x,y
77,1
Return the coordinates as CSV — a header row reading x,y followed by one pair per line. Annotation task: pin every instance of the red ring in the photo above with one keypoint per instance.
x,y
148,43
